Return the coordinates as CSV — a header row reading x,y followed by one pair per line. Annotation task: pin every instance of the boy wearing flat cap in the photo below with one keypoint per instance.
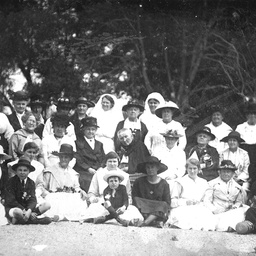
x,y
90,152
20,199
20,102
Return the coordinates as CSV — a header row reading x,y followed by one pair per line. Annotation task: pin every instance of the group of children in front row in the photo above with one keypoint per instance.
x,y
22,207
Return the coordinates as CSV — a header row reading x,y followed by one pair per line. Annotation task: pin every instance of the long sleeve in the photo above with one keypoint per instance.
x,y
6,127
176,196
166,194
13,146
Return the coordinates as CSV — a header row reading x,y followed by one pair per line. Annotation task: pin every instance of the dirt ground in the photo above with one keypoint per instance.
x,y
73,238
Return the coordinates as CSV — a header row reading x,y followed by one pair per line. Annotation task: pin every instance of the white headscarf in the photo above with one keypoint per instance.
x,y
149,119
107,120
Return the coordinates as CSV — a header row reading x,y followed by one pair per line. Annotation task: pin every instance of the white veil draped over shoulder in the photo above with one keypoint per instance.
x,y
107,122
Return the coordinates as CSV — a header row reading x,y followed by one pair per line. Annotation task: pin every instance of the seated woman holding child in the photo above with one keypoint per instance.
x,y
60,187
151,194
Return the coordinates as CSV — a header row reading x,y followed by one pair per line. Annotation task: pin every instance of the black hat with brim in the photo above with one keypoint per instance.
x,y
83,100
227,165
141,167
24,161
233,135
133,103
206,130
89,122
65,149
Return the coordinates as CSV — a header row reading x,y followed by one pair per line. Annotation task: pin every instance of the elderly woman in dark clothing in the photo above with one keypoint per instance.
x,y
82,105
151,194
207,155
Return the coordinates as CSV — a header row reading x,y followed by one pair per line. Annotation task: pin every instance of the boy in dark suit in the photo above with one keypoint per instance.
x,y
20,199
90,153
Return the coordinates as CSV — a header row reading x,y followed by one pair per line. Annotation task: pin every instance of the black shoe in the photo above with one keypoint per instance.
x,y
41,221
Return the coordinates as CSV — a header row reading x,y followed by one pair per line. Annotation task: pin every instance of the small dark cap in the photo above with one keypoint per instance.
x,y
89,122
206,130
83,100
134,103
20,96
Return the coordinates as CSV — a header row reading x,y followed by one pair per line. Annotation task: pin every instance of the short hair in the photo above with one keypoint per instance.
x,y
26,116
109,98
124,130
30,145
111,155
193,161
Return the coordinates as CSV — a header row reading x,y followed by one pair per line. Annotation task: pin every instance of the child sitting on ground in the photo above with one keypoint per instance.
x,y
116,198
20,198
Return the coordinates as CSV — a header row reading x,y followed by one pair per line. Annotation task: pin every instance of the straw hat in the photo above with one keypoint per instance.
x,y
113,174
169,104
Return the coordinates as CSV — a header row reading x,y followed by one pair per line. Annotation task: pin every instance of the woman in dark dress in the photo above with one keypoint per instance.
x,y
151,194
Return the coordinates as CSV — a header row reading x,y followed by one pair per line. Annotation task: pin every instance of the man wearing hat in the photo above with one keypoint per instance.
x,y
90,152
219,128
154,140
237,156
20,102
226,198
207,155
133,109
63,107
20,199
247,131
82,105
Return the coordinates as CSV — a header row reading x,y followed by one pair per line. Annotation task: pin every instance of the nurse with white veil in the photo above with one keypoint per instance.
x,y
108,114
149,117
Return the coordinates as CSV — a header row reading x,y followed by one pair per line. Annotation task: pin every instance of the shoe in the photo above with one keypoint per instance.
x,y
124,223
55,218
99,220
245,227
159,224
41,221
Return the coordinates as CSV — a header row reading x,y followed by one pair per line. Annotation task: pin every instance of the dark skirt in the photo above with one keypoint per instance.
x,y
152,207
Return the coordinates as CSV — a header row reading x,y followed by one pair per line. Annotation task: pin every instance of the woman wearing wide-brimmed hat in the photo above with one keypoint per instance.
x,y
139,130
151,194
108,113
167,111
52,142
206,154
60,187
238,156
247,131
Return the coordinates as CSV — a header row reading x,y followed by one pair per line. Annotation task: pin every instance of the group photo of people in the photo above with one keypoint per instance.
x,y
126,162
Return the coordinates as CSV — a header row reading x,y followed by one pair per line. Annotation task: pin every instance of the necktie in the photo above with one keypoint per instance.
x,y
23,183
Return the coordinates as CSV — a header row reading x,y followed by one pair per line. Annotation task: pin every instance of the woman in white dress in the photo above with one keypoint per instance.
x,y
108,114
188,211
149,117
60,187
